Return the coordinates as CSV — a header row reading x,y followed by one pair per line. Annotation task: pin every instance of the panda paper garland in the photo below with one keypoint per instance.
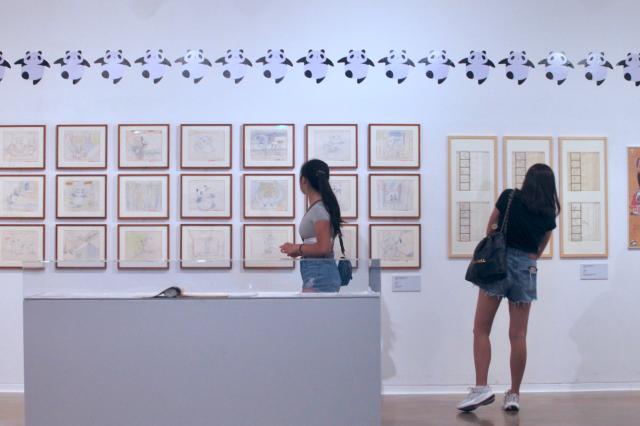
x,y
596,67
356,65
631,68
556,66
478,66
316,65
154,65
32,66
275,65
194,65
437,65
113,65
397,65
73,65
517,66
3,66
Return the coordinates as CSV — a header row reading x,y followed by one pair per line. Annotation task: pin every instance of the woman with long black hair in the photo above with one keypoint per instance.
x,y
318,229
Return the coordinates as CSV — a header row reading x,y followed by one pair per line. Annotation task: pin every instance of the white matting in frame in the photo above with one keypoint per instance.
x,y
268,146
335,144
205,246
22,147
23,196
21,245
143,146
143,246
397,246
269,196
394,146
143,196
394,196
261,246
205,196
205,146
81,196
81,246
81,146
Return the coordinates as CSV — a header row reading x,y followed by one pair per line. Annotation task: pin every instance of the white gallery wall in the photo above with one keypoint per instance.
x,y
582,333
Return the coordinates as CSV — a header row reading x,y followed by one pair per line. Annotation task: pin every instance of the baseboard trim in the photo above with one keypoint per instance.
x,y
13,388
530,388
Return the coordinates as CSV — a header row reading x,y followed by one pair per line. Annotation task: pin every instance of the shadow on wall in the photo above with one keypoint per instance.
x,y
388,340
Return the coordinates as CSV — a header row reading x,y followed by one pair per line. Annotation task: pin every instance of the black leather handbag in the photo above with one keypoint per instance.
x,y
489,263
345,269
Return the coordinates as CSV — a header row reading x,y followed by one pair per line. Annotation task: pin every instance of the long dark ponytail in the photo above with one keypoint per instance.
x,y
317,174
538,191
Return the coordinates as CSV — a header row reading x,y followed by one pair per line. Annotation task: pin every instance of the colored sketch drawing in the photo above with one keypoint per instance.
x,y
143,245
82,245
207,195
206,146
19,245
144,145
20,146
395,194
144,197
397,246
332,144
584,171
82,196
269,196
262,246
395,145
82,146
20,197
269,144
634,196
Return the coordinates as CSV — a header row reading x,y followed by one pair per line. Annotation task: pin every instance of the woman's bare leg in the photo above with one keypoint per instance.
x,y
485,313
518,322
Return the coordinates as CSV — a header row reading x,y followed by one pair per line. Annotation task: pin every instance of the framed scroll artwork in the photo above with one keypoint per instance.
x,y
633,159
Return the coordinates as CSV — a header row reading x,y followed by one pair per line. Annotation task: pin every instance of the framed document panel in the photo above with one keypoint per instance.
x,y
143,196
204,246
205,146
394,146
23,147
82,146
143,146
81,196
205,196
394,196
268,146
143,246
633,159
81,246
335,144
269,196
20,245
397,246
261,246
23,196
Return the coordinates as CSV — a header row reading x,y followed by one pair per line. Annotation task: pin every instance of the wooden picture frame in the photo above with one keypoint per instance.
x,y
81,196
350,236
200,252
633,189
256,254
143,146
22,248
201,197
27,199
23,147
139,196
394,196
81,251
402,250
346,188
335,144
156,245
263,146
400,148
82,146
208,151
263,196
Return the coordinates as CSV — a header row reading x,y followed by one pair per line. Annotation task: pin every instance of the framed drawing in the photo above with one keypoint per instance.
x,y
81,196
205,196
261,246
143,246
583,191
81,146
335,144
269,196
394,196
20,245
473,185
205,146
205,246
633,159
23,147
268,146
519,153
345,186
396,246
350,239
23,196
394,146
81,246
143,196
143,146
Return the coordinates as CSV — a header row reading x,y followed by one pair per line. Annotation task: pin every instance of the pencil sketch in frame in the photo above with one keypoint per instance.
x,y
633,160
21,246
350,239
204,246
335,144
345,187
261,246
81,196
394,196
143,196
397,246
205,146
143,247
23,147
269,196
82,146
143,146
81,246
22,196
205,196
394,146
268,146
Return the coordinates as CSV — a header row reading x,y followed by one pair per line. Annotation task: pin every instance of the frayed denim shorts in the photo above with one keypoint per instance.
x,y
320,274
520,285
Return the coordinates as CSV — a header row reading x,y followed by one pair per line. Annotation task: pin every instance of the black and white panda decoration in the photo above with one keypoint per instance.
x,y
397,65
518,66
275,64
437,65
596,67
194,65
73,65
316,65
556,66
631,68
478,65
113,65
32,66
154,65
3,65
234,64
356,65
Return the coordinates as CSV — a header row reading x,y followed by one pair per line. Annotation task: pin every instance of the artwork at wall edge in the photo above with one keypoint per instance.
x,y
81,146
22,246
81,246
143,246
23,147
81,196
633,160
143,146
143,196
206,246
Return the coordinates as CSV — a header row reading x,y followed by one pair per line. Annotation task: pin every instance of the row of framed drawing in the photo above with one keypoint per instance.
x,y
203,246
202,196
209,146
582,170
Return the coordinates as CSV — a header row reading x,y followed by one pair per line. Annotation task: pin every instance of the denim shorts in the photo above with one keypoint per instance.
x,y
520,285
320,274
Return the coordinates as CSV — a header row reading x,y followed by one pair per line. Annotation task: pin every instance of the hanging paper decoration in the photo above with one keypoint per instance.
x,y
316,65
437,65
518,66
73,65
596,67
631,68
275,64
3,65
478,65
356,65
154,65
397,65
113,65
234,65
32,66
194,65
556,66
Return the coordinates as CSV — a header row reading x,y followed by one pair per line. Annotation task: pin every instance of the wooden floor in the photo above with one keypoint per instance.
x,y
566,409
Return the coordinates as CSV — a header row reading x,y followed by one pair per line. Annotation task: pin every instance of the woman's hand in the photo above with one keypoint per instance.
x,y
290,249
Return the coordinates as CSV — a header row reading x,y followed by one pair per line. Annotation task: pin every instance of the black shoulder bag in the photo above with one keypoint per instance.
x,y
489,263
345,269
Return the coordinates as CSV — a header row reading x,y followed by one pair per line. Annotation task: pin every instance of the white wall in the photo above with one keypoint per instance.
x,y
581,333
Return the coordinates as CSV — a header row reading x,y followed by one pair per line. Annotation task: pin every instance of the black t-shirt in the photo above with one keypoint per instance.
x,y
525,229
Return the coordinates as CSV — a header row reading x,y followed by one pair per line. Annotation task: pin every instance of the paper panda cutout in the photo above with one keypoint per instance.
x,y
113,65
437,65
32,66
234,65
518,66
316,65
3,65
478,65
397,65
194,65
356,65
154,65
596,67
631,68
275,64
556,66
73,65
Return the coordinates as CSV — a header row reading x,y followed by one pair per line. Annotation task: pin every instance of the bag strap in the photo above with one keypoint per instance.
x,y
341,245
505,221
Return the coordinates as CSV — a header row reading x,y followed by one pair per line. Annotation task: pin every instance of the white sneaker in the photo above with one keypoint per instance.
x,y
478,396
511,401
